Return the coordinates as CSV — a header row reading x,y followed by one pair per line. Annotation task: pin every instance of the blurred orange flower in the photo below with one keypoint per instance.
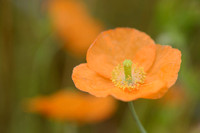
x,y
72,106
109,69
74,24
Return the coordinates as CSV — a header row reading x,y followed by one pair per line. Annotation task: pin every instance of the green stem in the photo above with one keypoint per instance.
x,y
139,124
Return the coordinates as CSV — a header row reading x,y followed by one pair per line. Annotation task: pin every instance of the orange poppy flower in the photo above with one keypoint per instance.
x,y
74,24
73,106
128,65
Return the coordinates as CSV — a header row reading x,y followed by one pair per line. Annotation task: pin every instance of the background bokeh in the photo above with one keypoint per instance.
x,y
33,62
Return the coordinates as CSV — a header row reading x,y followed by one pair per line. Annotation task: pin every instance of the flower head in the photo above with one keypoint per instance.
x,y
74,24
73,106
128,65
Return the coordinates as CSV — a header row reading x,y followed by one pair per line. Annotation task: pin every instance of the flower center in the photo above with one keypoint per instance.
x,y
128,76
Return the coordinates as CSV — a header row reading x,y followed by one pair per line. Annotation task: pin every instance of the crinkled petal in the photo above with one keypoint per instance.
x,y
144,90
112,47
166,68
88,80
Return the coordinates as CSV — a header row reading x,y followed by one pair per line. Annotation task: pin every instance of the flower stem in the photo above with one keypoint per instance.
x,y
139,124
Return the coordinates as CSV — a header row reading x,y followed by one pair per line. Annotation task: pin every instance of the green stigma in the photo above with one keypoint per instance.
x,y
128,70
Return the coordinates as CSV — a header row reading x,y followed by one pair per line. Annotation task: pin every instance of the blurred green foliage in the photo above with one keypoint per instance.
x,y
32,62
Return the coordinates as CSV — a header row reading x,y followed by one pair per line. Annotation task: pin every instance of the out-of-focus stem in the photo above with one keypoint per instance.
x,y
139,124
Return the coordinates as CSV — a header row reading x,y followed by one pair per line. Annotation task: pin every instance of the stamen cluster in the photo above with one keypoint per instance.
x,y
133,81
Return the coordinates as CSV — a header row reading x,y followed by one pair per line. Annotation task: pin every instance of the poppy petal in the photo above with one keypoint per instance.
x,y
88,80
112,47
166,67
142,92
